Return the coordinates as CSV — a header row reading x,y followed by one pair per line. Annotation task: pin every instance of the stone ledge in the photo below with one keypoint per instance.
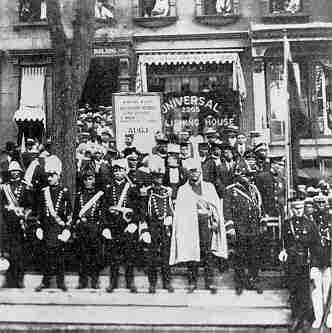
x,y
217,20
155,22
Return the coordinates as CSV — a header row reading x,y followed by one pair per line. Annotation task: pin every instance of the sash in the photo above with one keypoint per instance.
x,y
90,203
12,201
30,171
49,202
123,195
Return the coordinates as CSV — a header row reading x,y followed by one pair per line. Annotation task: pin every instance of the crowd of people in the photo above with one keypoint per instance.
x,y
207,202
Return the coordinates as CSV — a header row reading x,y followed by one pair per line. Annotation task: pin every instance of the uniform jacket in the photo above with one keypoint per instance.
x,y
321,253
243,207
62,204
272,189
12,224
112,195
300,237
224,177
89,225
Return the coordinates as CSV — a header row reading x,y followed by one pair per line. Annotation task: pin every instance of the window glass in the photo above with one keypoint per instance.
x,y
32,10
285,6
220,7
195,96
276,98
154,8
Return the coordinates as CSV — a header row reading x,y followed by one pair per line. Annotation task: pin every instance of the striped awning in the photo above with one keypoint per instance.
x,y
197,57
32,98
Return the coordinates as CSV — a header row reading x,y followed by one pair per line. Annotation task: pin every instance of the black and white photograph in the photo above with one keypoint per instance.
x,y
166,166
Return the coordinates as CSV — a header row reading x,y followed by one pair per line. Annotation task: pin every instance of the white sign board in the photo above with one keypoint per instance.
x,y
137,114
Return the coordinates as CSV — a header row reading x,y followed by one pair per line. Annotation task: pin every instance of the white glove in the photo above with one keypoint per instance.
x,y
146,237
65,235
107,233
40,233
131,228
283,256
168,221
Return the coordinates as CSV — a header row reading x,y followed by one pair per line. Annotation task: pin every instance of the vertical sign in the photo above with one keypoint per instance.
x,y
137,114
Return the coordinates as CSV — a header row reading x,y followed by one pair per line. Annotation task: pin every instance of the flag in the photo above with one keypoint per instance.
x,y
296,115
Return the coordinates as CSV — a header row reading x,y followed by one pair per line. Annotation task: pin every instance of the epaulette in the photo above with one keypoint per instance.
x,y
230,186
44,188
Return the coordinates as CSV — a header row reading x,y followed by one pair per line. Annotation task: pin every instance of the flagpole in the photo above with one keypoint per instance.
x,y
288,140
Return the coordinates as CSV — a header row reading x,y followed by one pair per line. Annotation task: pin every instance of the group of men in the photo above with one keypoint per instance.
x,y
190,202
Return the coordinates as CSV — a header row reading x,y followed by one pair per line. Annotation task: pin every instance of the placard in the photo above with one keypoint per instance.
x,y
137,114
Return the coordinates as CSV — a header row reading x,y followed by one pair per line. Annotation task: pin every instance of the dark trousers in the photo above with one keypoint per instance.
x,y
53,264
90,259
158,253
298,284
207,258
247,256
17,258
121,250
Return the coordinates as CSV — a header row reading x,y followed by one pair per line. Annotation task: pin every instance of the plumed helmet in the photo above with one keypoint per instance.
x,y
15,166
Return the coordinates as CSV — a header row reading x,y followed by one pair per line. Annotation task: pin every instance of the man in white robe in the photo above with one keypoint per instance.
x,y
198,229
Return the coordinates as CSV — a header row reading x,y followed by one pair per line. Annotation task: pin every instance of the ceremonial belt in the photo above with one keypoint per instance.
x,y
30,171
12,201
90,203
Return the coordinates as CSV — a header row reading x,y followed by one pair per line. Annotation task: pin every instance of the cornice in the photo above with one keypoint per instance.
x,y
243,34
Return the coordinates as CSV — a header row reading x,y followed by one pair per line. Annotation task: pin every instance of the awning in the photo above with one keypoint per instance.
x,y
32,99
177,58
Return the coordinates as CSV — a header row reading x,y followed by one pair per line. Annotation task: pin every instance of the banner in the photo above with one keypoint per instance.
x,y
139,115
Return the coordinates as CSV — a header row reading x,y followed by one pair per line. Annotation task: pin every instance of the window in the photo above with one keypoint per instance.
x,y
217,12
276,97
32,10
286,6
218,7
154,13
104,11
323,92
155,8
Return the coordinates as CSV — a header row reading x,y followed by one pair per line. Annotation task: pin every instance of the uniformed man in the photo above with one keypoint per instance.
x,y
55,215
16,204
87,224
300,237
320,272
242,210
261,151
120,231
156,232
271,184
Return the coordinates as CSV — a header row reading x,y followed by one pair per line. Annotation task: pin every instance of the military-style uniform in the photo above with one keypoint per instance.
x,y
320,272
159,212
242,208
300,238
122,243
272,189
53,223
16,201
87,223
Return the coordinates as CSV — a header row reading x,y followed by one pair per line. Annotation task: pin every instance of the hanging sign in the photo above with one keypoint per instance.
x,y
137,114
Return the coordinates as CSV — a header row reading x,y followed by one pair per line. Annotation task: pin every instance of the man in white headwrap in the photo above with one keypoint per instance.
x,y
198,229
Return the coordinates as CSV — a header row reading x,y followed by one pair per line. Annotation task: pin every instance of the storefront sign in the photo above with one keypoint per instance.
x,y
200,111
137,114
109,52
